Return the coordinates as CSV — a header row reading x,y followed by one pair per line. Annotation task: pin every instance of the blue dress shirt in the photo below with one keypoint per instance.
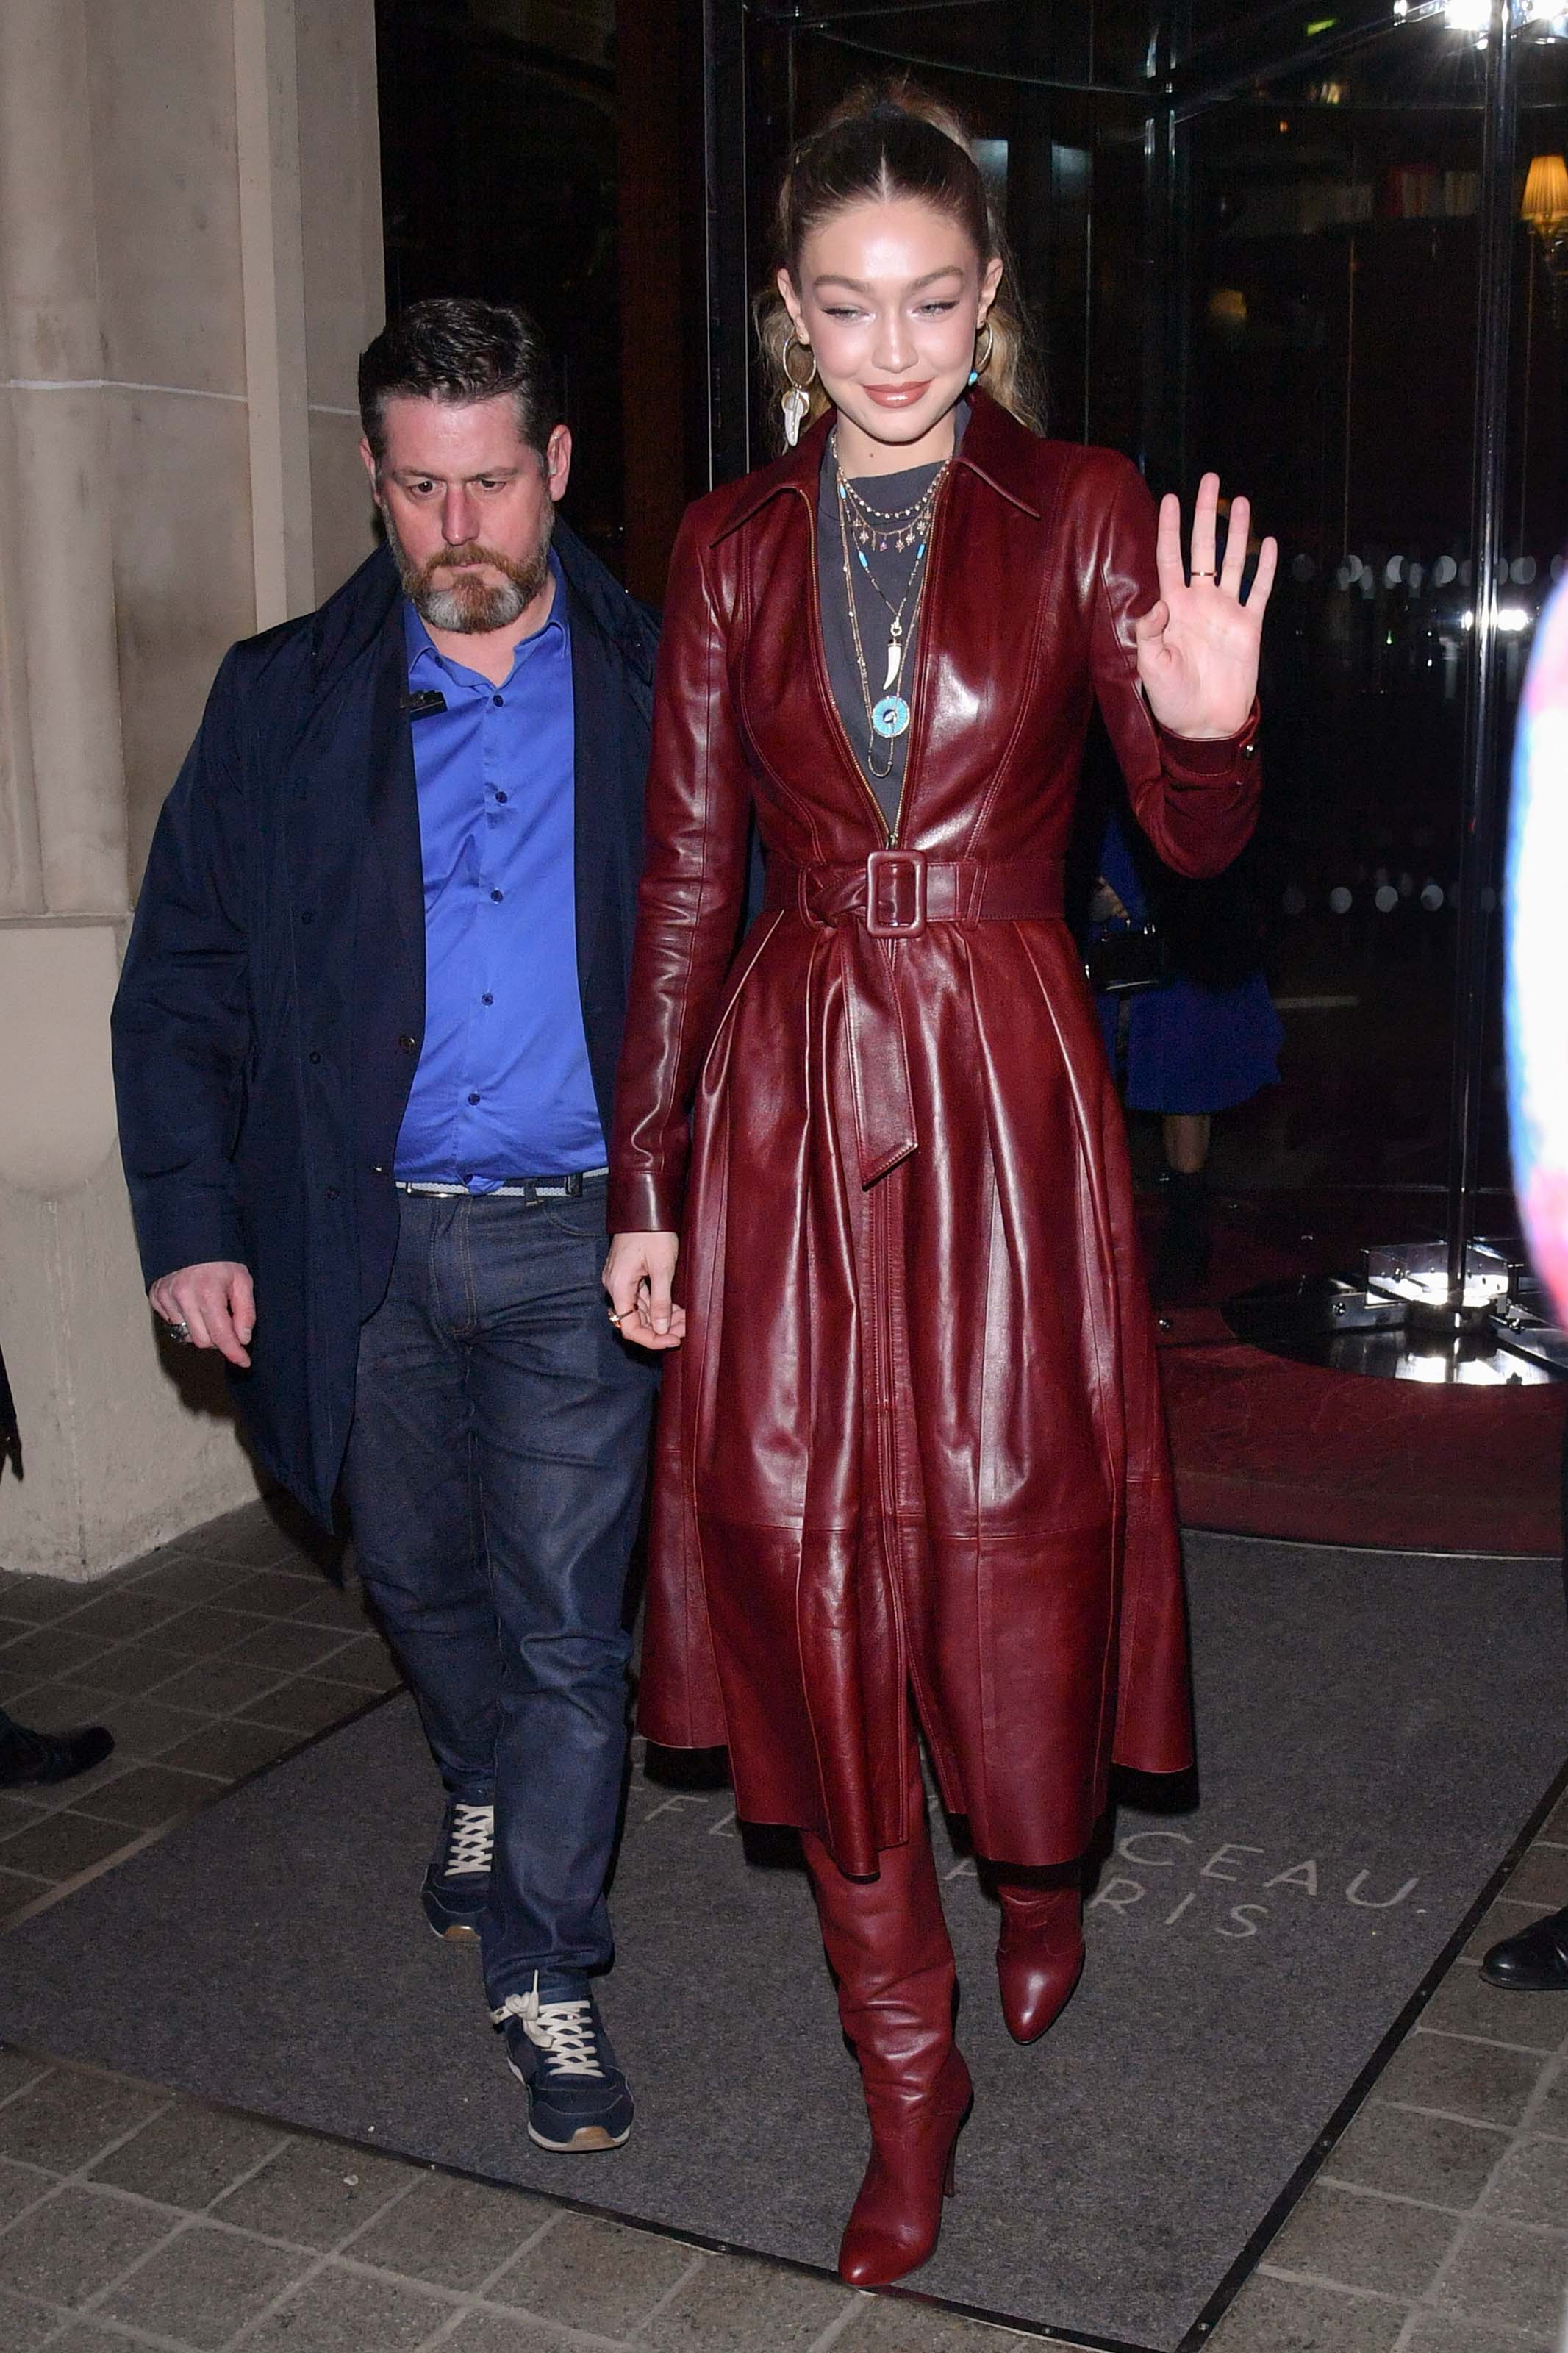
x,y
503,1086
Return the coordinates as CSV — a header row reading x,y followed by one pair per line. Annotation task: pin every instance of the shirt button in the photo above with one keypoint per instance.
x,y
473,1099
409,1045
495,895
497,700
487,998
500,796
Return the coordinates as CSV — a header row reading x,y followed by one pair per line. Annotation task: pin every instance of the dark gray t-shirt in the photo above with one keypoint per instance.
x,y
886,493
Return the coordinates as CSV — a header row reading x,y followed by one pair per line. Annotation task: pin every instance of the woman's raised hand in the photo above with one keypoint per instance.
x,y
639,1276
1198,646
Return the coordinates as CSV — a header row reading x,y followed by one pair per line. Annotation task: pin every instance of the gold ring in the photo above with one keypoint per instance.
x,y
1202,575
618,1320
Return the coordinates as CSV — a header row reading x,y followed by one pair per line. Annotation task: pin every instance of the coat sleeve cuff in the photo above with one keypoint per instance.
x,y
643,1204
198,1230
1184,757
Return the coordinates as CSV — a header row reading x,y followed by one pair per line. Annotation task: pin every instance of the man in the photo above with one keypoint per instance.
x,y
365,1044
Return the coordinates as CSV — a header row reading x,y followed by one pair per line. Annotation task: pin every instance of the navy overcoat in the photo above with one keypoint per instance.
x,y
272,1002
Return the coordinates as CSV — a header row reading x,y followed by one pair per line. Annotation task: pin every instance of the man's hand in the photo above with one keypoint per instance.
x,y
638,1275
215,1303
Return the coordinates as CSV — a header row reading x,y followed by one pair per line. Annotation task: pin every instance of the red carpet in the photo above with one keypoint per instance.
x,y
1264,1447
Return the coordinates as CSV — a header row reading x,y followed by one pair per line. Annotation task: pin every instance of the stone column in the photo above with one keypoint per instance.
x,y
190,259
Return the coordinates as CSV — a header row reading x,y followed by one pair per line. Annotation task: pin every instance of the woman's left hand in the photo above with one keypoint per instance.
x,y
1197,647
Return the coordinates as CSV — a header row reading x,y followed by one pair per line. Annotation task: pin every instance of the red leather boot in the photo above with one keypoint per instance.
x,y
888,1942
1039,1954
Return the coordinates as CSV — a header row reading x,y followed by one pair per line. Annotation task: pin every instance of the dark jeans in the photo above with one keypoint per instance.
x,y
494,1479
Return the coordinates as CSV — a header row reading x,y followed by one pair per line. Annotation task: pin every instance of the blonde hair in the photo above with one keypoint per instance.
x,y
887,140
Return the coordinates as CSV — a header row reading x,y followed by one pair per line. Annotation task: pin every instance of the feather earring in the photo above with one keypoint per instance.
x,y
796,402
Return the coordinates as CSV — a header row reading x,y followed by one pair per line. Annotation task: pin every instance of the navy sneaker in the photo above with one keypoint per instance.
x,y
558,2049
457,1884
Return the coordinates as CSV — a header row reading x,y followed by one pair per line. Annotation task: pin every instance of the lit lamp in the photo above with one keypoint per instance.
x,y
1545,207
1228,313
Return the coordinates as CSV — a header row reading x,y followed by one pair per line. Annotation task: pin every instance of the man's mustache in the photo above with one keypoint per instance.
x,y
470,554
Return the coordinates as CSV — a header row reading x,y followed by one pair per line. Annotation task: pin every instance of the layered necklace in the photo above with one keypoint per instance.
x,y
865,531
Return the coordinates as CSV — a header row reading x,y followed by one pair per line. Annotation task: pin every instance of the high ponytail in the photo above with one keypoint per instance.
x,y
884,141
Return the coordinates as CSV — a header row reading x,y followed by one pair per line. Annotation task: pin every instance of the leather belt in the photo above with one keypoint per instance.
x,y
896,894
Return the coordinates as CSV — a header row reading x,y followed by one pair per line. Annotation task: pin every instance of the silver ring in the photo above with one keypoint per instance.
x,y
178,1331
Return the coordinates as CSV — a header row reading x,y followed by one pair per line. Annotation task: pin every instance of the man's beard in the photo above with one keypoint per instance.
x,y
465,604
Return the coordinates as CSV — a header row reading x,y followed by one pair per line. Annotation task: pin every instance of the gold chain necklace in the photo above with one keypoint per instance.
x,y
881,529
888,716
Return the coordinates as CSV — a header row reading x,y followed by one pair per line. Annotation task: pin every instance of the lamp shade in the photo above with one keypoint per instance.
x,y
1545,190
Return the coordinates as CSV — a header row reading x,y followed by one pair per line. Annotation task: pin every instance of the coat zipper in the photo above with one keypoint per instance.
x,y
879,1239
917,699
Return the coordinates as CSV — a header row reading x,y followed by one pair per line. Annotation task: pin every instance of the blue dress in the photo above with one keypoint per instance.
x,y
1188,1048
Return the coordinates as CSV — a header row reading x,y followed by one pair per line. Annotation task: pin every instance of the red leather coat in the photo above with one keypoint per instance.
x,y
913,1441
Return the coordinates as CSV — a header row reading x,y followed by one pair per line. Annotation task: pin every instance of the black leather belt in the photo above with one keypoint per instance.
x,y
510,1189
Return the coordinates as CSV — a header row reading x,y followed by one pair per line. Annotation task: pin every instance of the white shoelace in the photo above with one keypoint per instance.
x,y
563,2030
472,1841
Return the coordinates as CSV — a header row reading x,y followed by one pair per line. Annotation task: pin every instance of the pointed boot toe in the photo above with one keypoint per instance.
x,y
1035,1988
871,2258
1039,1954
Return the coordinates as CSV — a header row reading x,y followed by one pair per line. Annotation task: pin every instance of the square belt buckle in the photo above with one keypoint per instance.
x,y
895,893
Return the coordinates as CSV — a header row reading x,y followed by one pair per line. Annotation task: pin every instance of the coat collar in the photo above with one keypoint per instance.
x,y
350,623
996,447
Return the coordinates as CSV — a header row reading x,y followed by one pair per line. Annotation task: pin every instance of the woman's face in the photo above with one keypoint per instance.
x,y
891,298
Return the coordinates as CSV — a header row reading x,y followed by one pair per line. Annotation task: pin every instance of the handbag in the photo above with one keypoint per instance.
x,y
1123,963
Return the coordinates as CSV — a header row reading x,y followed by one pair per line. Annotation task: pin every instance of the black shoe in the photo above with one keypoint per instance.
x,y
1535,1961
1186,1246
457,1884
27,1757
558,2049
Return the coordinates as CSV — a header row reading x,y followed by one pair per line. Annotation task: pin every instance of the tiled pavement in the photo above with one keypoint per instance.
x,y
130,2217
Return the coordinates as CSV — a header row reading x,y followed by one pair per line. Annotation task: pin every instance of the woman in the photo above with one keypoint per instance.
x,y
1205,1040
910,1453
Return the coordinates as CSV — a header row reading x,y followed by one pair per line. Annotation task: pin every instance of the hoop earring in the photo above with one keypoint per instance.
x,y
980,365
795,402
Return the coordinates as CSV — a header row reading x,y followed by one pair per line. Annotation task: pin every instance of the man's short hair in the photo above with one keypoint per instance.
x,y
460,350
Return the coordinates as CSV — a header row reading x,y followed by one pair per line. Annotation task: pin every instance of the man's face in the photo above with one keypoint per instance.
x,y
468,507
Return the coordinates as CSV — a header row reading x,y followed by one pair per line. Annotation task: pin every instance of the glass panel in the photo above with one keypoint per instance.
x,y
1331,281
1058,100
497,155
1279,278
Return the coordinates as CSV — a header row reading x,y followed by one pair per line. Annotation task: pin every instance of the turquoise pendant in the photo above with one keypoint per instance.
x,y
891,715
